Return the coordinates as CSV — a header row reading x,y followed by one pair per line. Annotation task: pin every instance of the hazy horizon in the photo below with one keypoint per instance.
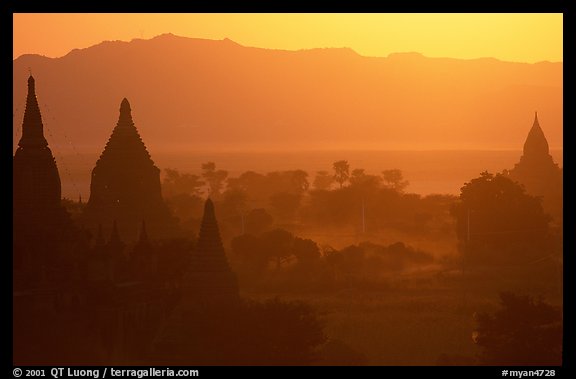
x,y
428,172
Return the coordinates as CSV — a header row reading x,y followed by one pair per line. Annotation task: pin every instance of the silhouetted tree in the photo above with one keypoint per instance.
x,y
176,183
341,172
364,184
306,252
370,261
257,221
497,222
523,332
323,180
300,180
357,175
278,244
347,261
337,207
251,182
234,201
285,205
384,207
251,252
395,180
185,207
261,187
214,178
291,181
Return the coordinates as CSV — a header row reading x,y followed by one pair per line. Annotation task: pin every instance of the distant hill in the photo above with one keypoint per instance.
x,y
204,94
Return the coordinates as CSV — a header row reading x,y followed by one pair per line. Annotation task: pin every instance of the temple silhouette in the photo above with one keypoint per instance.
x,y
41,225
210,278
209,287
119,285
125,185
538,172
100,292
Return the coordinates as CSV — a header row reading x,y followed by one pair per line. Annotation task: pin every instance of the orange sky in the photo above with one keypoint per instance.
x,y
511,37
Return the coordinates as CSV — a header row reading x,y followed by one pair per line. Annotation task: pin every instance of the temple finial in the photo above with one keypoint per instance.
x,y
125,106
32,127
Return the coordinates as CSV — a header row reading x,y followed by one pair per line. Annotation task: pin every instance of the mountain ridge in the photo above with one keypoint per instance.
x,y
230,41
198,93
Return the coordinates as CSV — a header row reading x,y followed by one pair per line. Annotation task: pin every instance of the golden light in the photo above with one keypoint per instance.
x,y
524,37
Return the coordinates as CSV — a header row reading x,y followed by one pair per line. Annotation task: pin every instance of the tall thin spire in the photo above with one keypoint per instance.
x,y
40,223
36,182
32,127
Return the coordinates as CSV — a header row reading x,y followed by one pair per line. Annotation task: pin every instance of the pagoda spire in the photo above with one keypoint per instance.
x,y
125,139
208,287
125,184
536,143
209,276
32,127
538,172
40,222
125,118
36,181
210,253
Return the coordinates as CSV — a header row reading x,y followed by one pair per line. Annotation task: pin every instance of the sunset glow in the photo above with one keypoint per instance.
x,y
287,190
510,37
